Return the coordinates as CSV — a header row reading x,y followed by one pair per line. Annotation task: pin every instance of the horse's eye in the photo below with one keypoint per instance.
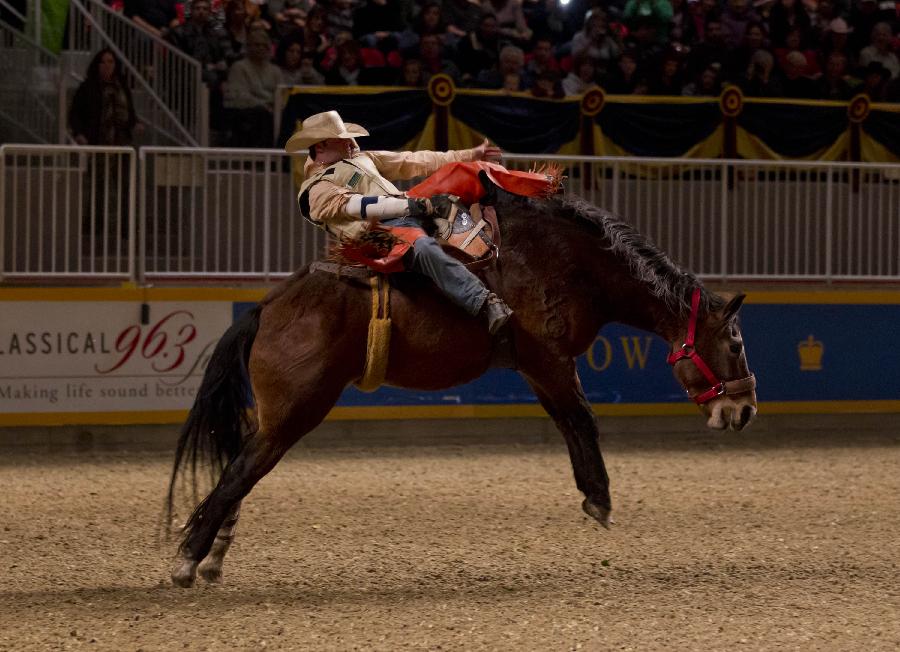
x,y
736,348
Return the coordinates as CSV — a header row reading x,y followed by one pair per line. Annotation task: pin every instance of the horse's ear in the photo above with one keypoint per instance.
x,y
733,305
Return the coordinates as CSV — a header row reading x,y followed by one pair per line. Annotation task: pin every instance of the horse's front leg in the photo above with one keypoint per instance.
x,y
559,391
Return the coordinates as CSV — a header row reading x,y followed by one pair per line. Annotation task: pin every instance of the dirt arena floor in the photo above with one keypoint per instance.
x,y
756,541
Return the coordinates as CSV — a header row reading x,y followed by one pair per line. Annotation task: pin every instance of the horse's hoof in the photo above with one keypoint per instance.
x,y
211,571
184,573
601,514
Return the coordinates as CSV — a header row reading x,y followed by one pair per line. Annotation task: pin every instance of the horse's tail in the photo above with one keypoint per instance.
x,y
219,420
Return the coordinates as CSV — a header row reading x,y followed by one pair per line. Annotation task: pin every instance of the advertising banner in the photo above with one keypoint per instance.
x,y
79,356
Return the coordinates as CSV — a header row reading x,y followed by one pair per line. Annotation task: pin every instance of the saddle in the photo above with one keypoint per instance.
x,y
470,235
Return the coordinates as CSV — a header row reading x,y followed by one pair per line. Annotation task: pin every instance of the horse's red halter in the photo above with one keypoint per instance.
x,y
687,351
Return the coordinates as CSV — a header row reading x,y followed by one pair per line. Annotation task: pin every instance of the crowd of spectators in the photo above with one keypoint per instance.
x,y
809,49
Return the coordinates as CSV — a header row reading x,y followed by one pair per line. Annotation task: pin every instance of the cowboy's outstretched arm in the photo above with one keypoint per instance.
x,y
407,165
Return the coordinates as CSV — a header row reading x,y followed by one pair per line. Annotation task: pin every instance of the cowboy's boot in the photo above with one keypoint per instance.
x,y
497,312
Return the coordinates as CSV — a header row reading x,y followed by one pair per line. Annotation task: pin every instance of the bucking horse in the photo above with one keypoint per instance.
x,y
566,269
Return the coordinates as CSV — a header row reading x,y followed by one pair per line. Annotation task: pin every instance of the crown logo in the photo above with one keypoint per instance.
x,y
810,351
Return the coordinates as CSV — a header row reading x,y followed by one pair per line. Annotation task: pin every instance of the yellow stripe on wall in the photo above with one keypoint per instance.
x,y
413,412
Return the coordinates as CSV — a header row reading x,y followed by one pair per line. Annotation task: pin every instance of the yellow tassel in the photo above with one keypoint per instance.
x,y
378,344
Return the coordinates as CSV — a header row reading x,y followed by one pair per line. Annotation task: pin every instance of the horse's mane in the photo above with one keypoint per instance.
x,y
649,264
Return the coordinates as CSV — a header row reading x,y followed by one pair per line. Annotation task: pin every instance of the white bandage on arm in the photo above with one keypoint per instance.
x,y
380,208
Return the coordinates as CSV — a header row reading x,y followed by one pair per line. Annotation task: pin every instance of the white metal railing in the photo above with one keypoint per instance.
x,y
31,89
169,93
229,213
67,212
221,213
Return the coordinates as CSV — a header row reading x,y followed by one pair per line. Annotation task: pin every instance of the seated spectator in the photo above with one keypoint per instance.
x,y
864,15
654,15
378,23
511,62
712,47
880,50
349,70
582,78
546,85
412,74
258,14
682,28
759,79
875,80
541,59
433,61
820,16
316,39
102,111
785,16
794,43
289,58
836,39
512,83
510,19
236,26
667,80
739,59
250,93
626,78
708,83
795,83
289,15
735,18
595,39
309,74
479,50
205,41
202,39
339,16
430,21
836,83
462,16
700,10
155,16
644,43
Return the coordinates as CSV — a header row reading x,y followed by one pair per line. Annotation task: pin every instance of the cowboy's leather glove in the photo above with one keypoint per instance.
x,y
442,205
420,208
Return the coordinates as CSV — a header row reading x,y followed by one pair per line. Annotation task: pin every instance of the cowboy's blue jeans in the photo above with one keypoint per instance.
x,y
460,285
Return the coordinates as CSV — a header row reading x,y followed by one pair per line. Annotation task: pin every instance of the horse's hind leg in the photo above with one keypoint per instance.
x,y
260,454
210,569
560,392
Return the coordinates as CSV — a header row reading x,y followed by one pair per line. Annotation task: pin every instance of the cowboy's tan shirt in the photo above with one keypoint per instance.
x,y
327,200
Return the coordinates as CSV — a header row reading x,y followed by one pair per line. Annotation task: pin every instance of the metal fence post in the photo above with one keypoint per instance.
x,y
267,218
829,224
615,187
140,233
723,219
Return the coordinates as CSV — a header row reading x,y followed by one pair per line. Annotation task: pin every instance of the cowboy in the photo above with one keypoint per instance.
x,y
345,188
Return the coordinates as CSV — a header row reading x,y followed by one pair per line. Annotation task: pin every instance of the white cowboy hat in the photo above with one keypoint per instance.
x,y
839,26
319,127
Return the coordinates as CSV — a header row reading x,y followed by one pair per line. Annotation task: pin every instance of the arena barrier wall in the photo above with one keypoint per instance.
x,y
135,355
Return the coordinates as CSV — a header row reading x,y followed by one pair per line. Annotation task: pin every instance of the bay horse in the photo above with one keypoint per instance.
x,y
566,269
